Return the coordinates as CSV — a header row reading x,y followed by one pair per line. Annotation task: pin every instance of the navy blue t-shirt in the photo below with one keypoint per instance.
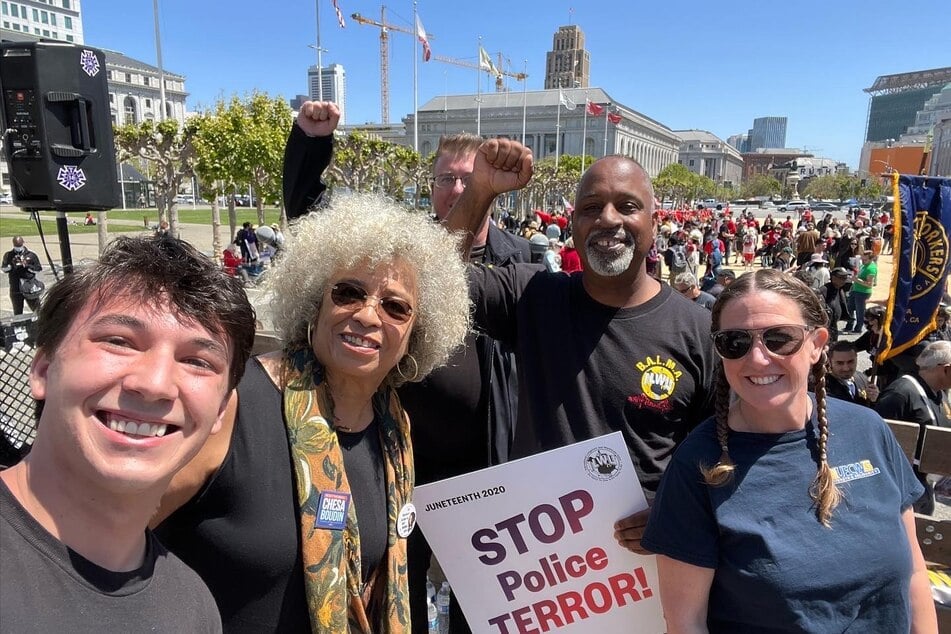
x,y
777,568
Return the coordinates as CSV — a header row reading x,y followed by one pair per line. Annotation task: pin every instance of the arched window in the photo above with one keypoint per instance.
x,y
131,110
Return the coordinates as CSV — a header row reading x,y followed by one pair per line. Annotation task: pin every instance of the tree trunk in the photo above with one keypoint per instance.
x,y
216,230
173,218
102,230
232,217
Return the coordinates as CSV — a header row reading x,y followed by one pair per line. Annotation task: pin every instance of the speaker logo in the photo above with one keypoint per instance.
x,y
89,62
71,177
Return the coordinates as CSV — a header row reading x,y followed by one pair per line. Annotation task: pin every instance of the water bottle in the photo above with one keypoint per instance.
x,y
442,606
430,591
432,618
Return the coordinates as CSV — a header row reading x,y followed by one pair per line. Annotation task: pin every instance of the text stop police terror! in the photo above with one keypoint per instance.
x,y
547,524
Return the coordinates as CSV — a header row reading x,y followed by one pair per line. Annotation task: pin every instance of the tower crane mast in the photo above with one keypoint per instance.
x,y
385,28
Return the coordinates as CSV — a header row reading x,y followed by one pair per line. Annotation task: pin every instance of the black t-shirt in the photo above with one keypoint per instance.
x,y
45,586
363,463
586,369
241,532
448,423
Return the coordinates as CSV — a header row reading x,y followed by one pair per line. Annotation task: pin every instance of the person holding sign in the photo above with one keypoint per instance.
x,y
786,510
366,296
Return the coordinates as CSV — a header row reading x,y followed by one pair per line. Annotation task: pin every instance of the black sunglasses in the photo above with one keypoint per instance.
x,y
354,297
784,340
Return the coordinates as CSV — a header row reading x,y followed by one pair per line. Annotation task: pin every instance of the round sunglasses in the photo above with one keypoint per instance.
x,y
350,296
783,340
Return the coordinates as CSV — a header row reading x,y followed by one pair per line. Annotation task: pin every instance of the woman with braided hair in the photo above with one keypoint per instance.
x,y
787,510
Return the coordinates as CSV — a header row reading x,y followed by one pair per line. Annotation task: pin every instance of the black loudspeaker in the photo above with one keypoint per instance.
x,y
58,130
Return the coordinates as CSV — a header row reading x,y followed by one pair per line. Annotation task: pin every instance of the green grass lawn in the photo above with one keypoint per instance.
x,y
23,224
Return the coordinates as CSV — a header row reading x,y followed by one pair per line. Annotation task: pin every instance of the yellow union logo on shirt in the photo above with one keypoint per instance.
x,y
854,471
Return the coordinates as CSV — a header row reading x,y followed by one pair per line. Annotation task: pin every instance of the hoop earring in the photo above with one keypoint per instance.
x,y
399,370
310,339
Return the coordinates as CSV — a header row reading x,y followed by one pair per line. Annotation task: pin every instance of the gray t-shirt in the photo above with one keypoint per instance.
x,y
47,587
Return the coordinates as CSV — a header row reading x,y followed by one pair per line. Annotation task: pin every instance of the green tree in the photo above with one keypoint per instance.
x,y
218,140
675,182
364,164
171,151
262,141
761,185
825,187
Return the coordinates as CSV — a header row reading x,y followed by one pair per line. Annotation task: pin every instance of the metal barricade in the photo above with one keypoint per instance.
x,y
17,422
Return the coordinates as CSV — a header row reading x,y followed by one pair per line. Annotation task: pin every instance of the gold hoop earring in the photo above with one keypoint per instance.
x,y
310,336
399,370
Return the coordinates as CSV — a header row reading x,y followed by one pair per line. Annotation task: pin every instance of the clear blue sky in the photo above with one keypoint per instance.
x,y
711,66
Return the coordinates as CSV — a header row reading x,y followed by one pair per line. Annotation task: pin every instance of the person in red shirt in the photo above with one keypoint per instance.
x,y
570,260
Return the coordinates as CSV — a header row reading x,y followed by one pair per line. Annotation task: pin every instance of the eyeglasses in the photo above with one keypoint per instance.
x,y
784,340
354,297
449,180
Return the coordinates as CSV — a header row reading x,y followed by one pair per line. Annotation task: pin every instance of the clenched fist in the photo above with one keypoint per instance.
x,y
318,118
502,165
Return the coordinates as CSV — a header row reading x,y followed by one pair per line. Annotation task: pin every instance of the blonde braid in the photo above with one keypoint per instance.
x,y
824,492
722,472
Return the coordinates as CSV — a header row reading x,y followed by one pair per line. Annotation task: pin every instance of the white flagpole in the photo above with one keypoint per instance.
x,y
158,56
524,101
479,91
607,110
415,84
584,132
558,130
320,72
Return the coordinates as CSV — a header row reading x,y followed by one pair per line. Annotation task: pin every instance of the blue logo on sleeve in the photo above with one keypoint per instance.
x,y
332,510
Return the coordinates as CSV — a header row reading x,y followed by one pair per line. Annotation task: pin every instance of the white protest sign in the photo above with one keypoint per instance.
x,y
528,546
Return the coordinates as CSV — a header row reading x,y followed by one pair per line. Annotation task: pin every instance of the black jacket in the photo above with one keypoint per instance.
x,y
305,159
837,388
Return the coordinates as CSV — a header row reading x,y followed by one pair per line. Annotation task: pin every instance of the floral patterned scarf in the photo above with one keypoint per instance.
x,y
332,578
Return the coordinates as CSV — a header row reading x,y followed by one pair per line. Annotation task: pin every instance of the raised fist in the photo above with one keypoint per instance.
x,y
502,165
318,118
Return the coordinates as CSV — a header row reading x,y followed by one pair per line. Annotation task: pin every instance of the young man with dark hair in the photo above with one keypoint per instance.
x,y
843,382
136,361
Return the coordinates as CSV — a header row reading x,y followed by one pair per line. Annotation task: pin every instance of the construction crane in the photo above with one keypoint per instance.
x,y
385,28
499,72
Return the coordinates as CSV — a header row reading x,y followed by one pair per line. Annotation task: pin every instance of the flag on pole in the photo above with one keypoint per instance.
x,y
594,109
567,205
614,118
565,100
485,63
340,20
423,39
921,213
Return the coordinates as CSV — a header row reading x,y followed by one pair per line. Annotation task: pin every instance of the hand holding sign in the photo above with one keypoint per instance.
x,y
523,557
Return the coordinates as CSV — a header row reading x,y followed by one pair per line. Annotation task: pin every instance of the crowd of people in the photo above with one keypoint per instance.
x,y
414,350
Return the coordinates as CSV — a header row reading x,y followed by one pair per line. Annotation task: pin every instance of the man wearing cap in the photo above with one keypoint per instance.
x,y
835,294
686,284
20,263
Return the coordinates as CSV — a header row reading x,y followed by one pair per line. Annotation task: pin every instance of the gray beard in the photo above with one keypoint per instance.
x,y
607,265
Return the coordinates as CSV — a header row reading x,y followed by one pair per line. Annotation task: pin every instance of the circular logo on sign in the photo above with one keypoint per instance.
x,y
602,464
406,520
930,254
